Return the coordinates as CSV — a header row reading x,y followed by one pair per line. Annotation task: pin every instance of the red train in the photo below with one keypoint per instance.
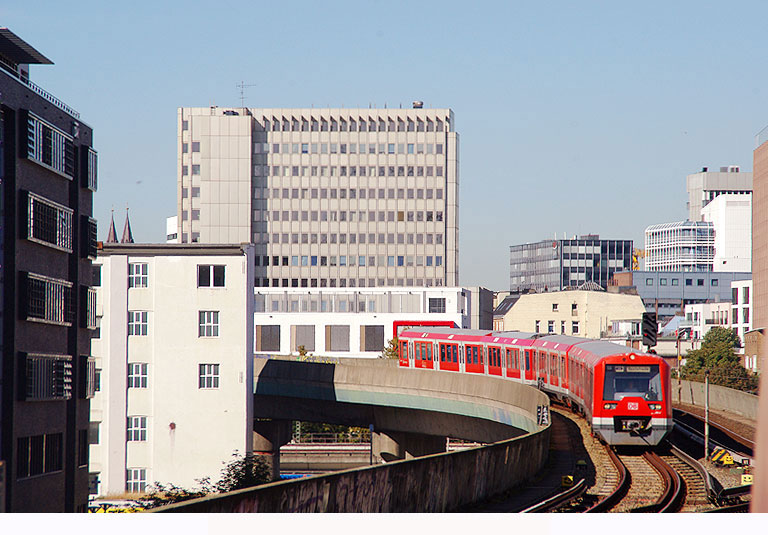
x,y
624,394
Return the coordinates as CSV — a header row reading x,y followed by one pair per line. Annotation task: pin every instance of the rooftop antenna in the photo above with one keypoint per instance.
x,y
242,85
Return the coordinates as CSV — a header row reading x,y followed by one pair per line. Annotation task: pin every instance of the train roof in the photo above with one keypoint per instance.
x,y
520,335
448,330
560,341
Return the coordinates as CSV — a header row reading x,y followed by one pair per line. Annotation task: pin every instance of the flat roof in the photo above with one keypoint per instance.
x,y
170,249
18,50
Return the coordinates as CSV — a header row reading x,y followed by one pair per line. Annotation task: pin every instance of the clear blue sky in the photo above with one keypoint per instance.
x,y
575,117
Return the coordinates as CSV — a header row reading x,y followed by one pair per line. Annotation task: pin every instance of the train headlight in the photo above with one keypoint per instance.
x,y
654,406
610,406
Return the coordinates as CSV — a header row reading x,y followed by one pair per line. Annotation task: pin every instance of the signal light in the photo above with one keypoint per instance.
x,y
650,328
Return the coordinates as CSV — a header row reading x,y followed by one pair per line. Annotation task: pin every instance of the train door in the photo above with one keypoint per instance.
x,y
554,370
564,372
529,372
494,360
449,357
403,353
474,358
513,363
542,366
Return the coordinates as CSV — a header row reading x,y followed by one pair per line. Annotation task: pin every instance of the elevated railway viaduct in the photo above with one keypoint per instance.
x,y
412,412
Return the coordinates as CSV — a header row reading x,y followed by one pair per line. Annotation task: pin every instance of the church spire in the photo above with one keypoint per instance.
x,y
112,236
127,234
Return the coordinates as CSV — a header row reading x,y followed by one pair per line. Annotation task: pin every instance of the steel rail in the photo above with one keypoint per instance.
x,y
559,499
621,489
711,485
744,441
673,487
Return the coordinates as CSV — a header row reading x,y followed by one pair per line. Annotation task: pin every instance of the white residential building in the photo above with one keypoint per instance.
x,y
347,322
741,312
331,198
680,246
174,354
701,317
731,217
587,313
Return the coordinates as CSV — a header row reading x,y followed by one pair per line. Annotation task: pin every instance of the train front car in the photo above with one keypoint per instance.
x,y
631,402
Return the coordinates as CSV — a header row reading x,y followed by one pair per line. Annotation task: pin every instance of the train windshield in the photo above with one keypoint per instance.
x,y
635,380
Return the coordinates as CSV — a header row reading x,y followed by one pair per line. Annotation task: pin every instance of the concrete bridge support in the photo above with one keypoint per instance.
x,y
394,446
268,436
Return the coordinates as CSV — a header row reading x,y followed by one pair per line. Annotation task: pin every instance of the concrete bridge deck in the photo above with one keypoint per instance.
x,y
415,410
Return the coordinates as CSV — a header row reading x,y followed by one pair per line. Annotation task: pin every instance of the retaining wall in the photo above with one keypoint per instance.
x,y
435,483
720,398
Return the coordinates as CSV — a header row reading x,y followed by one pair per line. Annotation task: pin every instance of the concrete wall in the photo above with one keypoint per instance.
x,y
720,398
437,483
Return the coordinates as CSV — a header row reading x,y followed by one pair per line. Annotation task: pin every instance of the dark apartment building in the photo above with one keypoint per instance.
x,y
47,242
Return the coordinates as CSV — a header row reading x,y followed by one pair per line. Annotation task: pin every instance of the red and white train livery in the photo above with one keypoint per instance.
x,y
623,393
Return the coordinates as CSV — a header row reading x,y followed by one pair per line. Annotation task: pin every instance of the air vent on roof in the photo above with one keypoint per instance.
x,y
417,104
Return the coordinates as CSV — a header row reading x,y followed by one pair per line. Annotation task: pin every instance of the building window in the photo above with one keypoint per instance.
x,y
49,377
208,323
50,147
699,282
137,323
538,326
136,430
551,327
689,282
713,282
208,376
437,305
88,315
745,295
40,454
89,242
49,223
136,480
554,307
49,300
675,282
137,375
138,275
210,276
745,315
89,170
574,327
649,282
662,282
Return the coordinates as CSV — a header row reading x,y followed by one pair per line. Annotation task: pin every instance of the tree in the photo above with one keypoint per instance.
x,y
717,356
721,334
244,471
391,350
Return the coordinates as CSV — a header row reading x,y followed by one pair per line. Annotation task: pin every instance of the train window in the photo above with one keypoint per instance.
x,y
442,353
429,352
527,359
637,380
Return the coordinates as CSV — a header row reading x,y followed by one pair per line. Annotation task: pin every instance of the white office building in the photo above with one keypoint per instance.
x,y
680,246
731,217
331,198
705,186
347,322
701,317
174,358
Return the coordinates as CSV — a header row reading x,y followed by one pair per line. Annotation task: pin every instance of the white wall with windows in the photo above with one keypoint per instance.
x,y
348,322
173,355
741,307
703,316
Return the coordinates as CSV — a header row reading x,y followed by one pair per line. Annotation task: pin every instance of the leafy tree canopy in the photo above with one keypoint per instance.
x,y
721,334
717,356
390,350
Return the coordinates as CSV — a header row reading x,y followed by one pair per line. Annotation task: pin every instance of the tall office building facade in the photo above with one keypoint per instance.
x,y
551,265
705,186
47,241
329,197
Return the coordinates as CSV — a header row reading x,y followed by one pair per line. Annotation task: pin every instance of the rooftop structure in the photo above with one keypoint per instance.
x,y
706,185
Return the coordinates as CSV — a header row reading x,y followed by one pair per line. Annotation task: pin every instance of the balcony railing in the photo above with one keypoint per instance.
x,y
11,71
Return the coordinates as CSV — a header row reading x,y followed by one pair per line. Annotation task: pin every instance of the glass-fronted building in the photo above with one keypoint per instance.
x,y
561,264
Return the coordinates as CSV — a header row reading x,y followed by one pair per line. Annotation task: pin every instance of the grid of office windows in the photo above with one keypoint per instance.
x,y
49,377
